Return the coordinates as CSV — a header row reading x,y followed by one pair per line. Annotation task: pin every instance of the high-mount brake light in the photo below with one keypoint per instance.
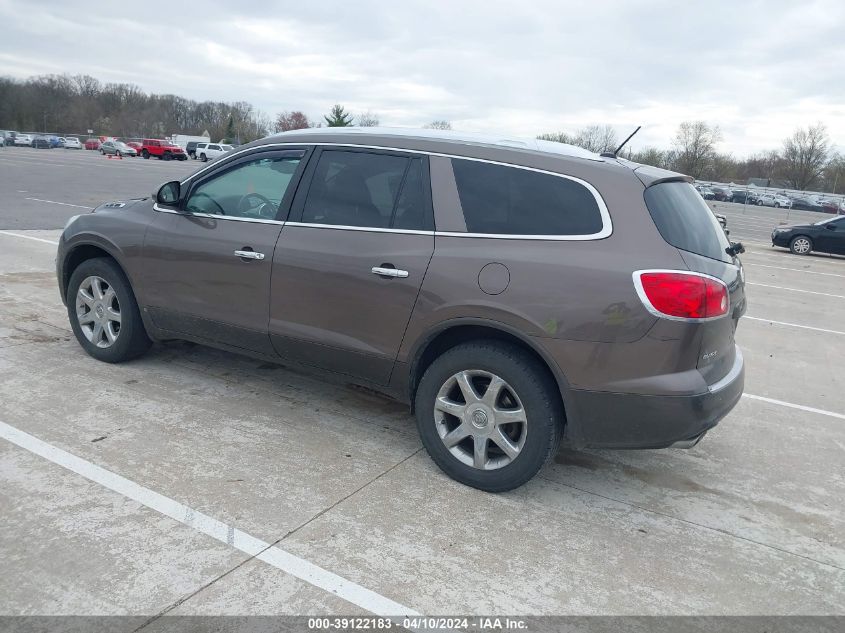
x,y
682,295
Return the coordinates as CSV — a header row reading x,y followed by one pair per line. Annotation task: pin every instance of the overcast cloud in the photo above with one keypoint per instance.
x,y
757,69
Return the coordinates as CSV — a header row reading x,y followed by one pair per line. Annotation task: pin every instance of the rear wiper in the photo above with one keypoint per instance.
x,y
736,248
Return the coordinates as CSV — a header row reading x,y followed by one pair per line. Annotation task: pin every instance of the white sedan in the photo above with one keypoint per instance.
x,y
71,142
23,139
774,200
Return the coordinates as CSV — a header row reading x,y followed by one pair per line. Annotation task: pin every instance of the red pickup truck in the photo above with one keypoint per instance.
x,y
163,150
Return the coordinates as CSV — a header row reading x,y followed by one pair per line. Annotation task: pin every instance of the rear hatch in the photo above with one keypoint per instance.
x,y
687,223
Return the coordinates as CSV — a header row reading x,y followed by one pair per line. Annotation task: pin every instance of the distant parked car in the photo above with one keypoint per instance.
x,y
210,151
774,200
830,206
41,142
161,149
743,196
827,236
71,142
722,194
806,203
92,143
705,192
23,140
117,148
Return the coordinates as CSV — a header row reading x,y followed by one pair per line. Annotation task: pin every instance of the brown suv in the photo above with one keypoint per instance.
x,y
515,293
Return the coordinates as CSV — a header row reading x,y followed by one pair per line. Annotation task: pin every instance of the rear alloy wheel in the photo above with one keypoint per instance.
x,y
488,414
203,158
166,156
801,245
103,312
118,154
759,203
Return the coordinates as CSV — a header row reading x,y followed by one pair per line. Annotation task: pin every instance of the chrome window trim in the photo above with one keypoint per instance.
x,y
216,217
607,223
638,285
731,375
346,227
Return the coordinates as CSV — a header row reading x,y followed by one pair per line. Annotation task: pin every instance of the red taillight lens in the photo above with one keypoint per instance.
x,y
682,295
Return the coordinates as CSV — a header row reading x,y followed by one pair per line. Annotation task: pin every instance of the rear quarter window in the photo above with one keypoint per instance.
x,y
685,221
504,200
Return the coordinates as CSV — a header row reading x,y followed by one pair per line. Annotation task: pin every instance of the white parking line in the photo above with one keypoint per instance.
x,y
803,327
275,556
29,237
799,270
792,405
809,292
64,204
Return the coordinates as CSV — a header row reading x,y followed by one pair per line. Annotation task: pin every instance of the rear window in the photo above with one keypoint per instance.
x,y
498,199
685,221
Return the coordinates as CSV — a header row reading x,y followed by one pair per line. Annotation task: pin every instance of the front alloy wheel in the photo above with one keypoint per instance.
x,y
801,245
98,311
480,419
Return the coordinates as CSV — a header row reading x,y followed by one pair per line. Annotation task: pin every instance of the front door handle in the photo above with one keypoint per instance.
x,y
249,255
384,271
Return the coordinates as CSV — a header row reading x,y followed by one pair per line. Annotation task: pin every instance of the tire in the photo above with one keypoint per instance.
x,y
203,157
801,245
528,388
166,156
118,154
759,203
777,205
145,154
130,339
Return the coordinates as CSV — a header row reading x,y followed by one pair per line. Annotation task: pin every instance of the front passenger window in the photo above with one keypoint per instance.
x,y
249,190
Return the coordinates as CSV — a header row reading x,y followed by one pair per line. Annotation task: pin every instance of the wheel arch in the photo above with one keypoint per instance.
x,y
454,332
81,252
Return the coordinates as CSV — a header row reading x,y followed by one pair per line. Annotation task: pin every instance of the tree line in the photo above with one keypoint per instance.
x,y
73,104
805,161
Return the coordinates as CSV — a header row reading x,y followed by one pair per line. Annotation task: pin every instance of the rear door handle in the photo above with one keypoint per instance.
x,y
383,271
249,255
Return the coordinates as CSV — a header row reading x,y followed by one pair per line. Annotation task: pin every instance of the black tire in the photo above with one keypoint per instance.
x,y
203,157
118,154
145,154
131,340
796,245
534,387
166,156
759,203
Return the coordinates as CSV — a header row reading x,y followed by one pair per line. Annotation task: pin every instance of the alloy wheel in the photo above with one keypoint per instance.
x,y
98,311
801,245
480,419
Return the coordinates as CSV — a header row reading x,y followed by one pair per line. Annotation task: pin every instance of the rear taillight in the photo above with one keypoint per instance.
x,y
685,296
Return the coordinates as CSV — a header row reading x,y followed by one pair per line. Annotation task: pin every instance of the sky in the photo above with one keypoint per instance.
x,y
756,69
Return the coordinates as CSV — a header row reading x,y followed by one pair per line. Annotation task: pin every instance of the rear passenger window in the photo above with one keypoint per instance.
x,y
367,190
685,221
499,199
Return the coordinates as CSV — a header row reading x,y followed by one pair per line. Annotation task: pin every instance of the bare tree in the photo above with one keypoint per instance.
x,y
597,138
695,147
367,119
438,125
834,174
805,156
557,137
649,156
287,121
594,138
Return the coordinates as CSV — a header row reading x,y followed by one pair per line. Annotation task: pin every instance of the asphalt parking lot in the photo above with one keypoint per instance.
x,y
193,481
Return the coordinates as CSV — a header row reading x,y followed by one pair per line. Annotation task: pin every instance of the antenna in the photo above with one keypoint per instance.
x,y
625,142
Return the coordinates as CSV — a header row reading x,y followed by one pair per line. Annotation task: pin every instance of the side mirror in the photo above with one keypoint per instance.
x,y
168,193
830,226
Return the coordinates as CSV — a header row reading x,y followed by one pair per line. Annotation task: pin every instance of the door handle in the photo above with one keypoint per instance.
x,y
383,271
249,255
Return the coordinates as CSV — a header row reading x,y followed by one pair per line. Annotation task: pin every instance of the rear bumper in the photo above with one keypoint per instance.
x,y
623,420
